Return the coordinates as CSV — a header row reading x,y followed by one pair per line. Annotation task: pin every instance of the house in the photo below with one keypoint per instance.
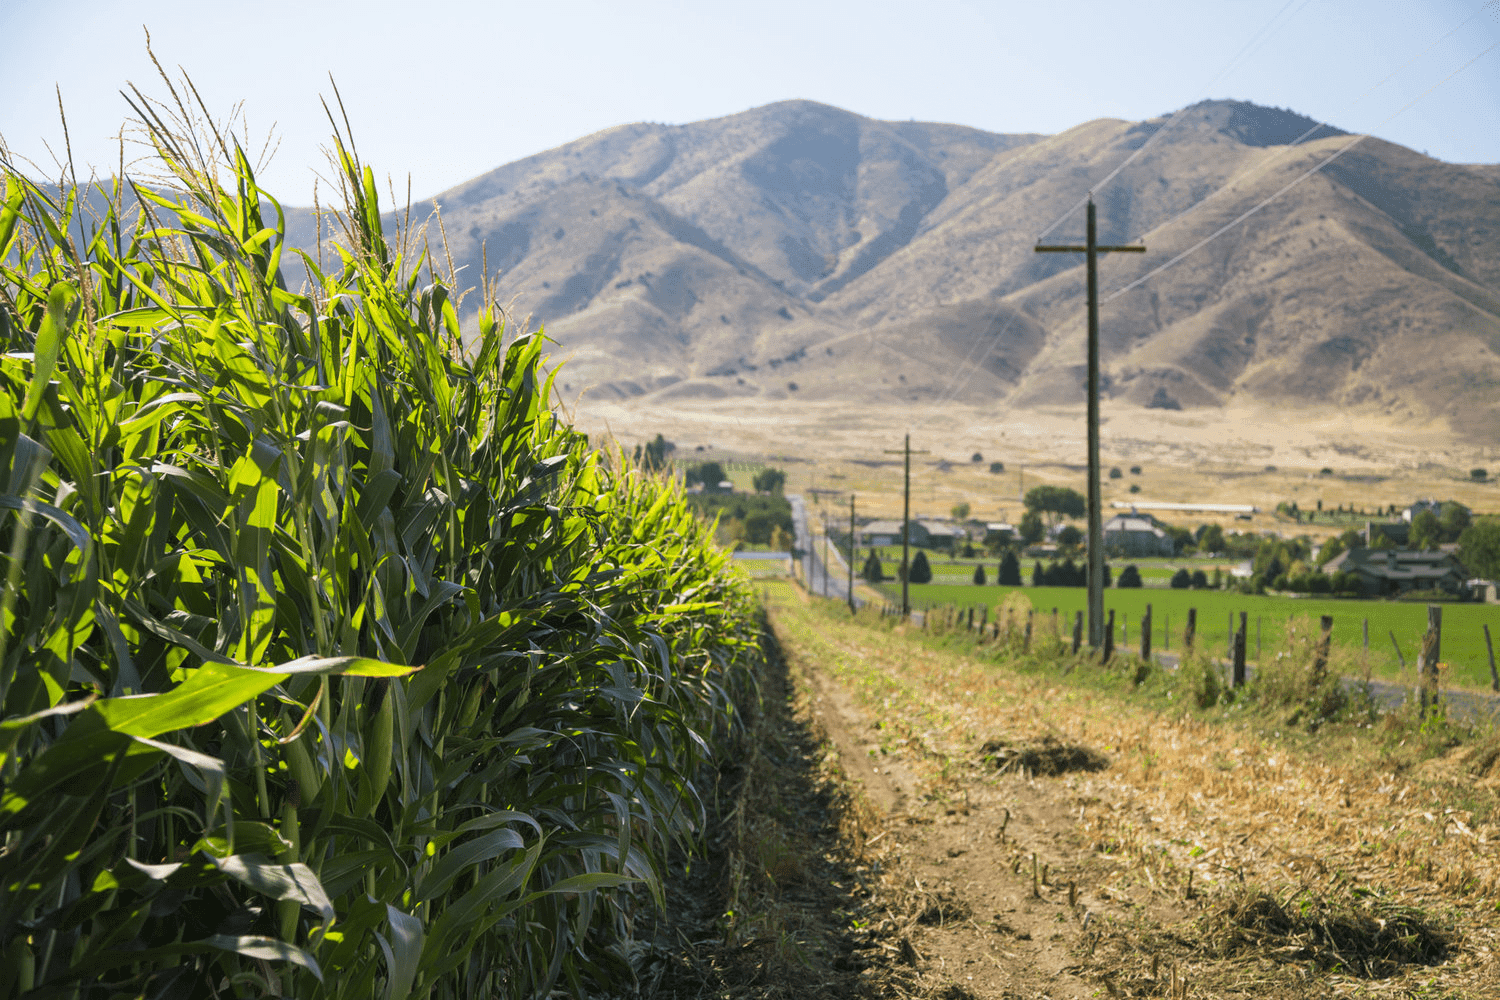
x,y
999,533
1421,505
1383,572
879,534
1395,532
944,535
1137,535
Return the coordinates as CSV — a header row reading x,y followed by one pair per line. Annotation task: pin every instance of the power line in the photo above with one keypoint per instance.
x,y
1291,184
1268,163
964,374
1234,61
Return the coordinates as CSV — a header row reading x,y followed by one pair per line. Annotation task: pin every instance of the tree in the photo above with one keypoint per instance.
x,y
1200,579
920,571
960,511
1211,539
997,467
1135,470
976,457
769,481
873,572
781,539
1031,527
1182,579
1479,475
1181,537
653,454
1426,531
1069,537
1479,548
1038,575
979,578
1129,577
1010,571
710,474
1059,501
1114,472
1455,520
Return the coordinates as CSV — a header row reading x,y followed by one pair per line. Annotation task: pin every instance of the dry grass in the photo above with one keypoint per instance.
x,y
1200,808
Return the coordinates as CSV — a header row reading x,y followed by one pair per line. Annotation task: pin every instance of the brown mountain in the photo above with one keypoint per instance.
x,y
801,245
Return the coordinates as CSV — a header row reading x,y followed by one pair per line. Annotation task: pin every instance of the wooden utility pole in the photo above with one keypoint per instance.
x,y
853,547
906,528
1096,520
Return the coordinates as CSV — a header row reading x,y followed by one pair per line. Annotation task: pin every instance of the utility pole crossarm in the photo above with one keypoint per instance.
x,y
1132,248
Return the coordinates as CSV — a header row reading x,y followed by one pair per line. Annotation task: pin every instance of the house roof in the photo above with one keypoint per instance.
x,y
1123,522
1405,566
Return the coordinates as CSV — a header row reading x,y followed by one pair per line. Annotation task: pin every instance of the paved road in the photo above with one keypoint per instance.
x,y
831,580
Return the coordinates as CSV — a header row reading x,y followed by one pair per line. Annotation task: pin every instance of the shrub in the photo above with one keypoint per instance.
x,y
920,571
1114,472
1182,579
976,458
1200,579
1010,571
1038,575
997,467
709,474
979,577
1479,475
769,481
1129,577
873,571
1135,470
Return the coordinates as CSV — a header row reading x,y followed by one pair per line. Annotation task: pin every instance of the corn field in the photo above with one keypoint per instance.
x,y
332,662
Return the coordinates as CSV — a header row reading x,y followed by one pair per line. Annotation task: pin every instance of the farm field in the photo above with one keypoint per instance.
x,y
1463,646
1006,828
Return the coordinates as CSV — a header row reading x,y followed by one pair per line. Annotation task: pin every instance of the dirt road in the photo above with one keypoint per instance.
x,y
997,831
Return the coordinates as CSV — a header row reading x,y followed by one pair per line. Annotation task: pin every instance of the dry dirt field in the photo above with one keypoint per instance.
x,y
916,817
1201,456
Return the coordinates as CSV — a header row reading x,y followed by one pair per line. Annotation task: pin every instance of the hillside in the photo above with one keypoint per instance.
x,y
800,252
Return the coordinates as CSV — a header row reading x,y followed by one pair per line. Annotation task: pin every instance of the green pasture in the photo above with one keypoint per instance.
x,y
1463,646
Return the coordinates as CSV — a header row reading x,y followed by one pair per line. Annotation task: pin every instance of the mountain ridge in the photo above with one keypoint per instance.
x,y
797,251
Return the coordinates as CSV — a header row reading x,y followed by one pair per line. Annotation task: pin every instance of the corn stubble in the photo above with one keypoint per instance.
x,y
333,664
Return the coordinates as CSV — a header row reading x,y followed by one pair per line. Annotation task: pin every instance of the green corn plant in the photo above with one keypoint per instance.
x,y
333,663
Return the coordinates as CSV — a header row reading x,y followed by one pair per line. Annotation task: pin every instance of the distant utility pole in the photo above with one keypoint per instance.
x,y
1096,521
906,528
853,546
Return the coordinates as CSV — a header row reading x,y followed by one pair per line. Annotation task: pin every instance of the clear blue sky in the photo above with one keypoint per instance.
x,y
444,90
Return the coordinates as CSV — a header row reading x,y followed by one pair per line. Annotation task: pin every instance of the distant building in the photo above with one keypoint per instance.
x,y
880,534
1385,572
1433,505
944,535
1137,535
999,533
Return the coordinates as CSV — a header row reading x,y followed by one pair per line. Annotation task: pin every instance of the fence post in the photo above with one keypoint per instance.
x,y
1166,630
1320,653
1109,637
1146,635
1401,659
1432,650
1367,635
1187,634
1490,648
1077,632
1257,638
1026,642
1238,645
